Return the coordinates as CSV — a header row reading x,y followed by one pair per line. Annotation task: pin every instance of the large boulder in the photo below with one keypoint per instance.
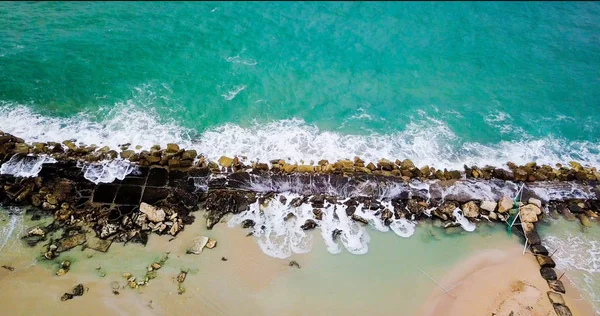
x,y
545,261
535,202
504,204
470,209
489,206
529,213
153,214
556,298
225,161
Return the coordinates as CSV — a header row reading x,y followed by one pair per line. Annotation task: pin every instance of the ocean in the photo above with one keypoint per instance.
x,y
444,84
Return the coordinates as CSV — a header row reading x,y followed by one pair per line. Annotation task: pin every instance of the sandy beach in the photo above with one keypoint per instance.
x,y
498,282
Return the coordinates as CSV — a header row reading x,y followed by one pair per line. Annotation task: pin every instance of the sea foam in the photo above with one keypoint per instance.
x,y
108,171
25,166
426,142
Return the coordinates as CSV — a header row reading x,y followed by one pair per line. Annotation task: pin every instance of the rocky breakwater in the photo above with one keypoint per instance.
x,y
528,215
163,187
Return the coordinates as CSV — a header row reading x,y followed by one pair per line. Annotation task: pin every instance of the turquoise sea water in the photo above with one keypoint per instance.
x,y
441,83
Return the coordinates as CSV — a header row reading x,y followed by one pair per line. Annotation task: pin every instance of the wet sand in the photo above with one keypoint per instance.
x,y
498,282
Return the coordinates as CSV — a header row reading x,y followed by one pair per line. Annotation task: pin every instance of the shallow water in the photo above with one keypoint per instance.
x,y
380,281
577,255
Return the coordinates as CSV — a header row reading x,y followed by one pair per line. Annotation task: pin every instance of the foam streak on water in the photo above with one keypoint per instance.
x,y
426,142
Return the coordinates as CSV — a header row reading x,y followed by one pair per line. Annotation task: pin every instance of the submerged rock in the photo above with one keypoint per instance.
x,y
70,242
66,297
78,290
294,264
197,245
181,276
211,243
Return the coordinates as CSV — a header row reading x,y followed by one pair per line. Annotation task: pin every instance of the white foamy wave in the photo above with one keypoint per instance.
x,y
278,226
463,221
108,171
123,123
25,166
403,227
426,142
277,236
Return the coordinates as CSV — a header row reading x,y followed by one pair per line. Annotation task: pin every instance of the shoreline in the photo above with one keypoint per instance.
x,y
498,282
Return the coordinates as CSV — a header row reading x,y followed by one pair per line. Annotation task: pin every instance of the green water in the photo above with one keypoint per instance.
x,y
481,72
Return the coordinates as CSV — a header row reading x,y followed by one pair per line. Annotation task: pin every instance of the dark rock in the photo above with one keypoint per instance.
x,y
318,213
567,214
66,297
101,245
562,310
359,219
555,298
387,217
548,273
223,259
545,261
294,264
309,224
70,242
78,290
335,234
221,202
247,223
9,268
556,285
533,238
538,249
575,209
282,199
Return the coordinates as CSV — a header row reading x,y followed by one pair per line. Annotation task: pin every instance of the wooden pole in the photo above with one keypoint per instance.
x,y
561,276
553,252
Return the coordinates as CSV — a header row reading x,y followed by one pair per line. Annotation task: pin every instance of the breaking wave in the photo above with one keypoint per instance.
x,y
426,142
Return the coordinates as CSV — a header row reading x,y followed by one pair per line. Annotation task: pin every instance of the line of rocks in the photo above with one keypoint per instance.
x,y
161,199
528,217
175,157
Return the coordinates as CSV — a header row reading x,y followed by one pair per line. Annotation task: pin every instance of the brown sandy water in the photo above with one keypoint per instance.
x,y
385,281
